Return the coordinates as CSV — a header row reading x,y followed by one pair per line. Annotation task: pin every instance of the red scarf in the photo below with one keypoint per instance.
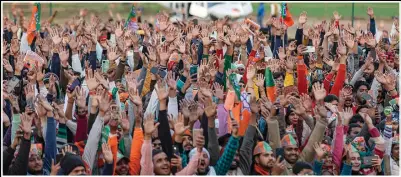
x,y
260,170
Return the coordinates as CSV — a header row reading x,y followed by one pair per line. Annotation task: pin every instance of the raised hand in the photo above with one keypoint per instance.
x,y
55,168
290,63
171,82
112,54
15,46
107,154
336,15
367,118
347,115
260,80
105,101
179,127
161,90
46,105
164,54
281,53
149,125
134,96
306,102
64,54
55,35
91,80
81,97
341,49
73,43
26,125
370,12
299,108
184,105
370,40
349,41
319,91
251,72
303,18
193,109
205,89
119,30
101,80
278,167
319,150
387,80
7,65
292,46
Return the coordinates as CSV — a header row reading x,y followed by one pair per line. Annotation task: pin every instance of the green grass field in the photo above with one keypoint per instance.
x,y
315,10
325,10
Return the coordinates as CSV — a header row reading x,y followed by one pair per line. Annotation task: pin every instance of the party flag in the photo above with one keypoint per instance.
x,y
131,22
34,24
270,87
234,82
286,16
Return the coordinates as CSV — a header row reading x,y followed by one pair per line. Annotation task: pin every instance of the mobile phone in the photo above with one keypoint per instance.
x,y
368,160
180,84
280,152
176,151
74,84
213,35
59,157
154,70
105,65
11,84
197,133
193,70
162,73
367,97
310,49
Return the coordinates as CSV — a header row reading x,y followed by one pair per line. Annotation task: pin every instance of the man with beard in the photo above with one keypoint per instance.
x,y
155,162
37,165
291,150
234,168
184,144
264,159
366,70
225,161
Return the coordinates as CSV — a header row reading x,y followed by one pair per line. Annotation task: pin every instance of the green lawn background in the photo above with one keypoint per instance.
x,y
383,11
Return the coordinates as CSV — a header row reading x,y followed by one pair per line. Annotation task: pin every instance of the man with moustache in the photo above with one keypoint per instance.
x,y
264,159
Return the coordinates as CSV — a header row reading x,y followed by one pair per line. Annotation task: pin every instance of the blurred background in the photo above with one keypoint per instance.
x,y
384,12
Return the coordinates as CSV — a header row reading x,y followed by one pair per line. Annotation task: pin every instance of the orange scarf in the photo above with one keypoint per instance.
x,y
260,170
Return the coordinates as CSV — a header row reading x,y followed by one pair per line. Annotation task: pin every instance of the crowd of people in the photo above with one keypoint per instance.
x,y
196,97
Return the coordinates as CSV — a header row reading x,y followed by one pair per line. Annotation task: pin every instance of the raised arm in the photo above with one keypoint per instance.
x,y
91,147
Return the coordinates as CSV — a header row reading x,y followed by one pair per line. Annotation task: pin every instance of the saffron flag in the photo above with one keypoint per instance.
x,y
270,87
286,16
34,24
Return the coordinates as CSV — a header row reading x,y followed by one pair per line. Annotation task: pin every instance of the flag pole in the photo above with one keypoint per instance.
x,y
353,7
51,9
